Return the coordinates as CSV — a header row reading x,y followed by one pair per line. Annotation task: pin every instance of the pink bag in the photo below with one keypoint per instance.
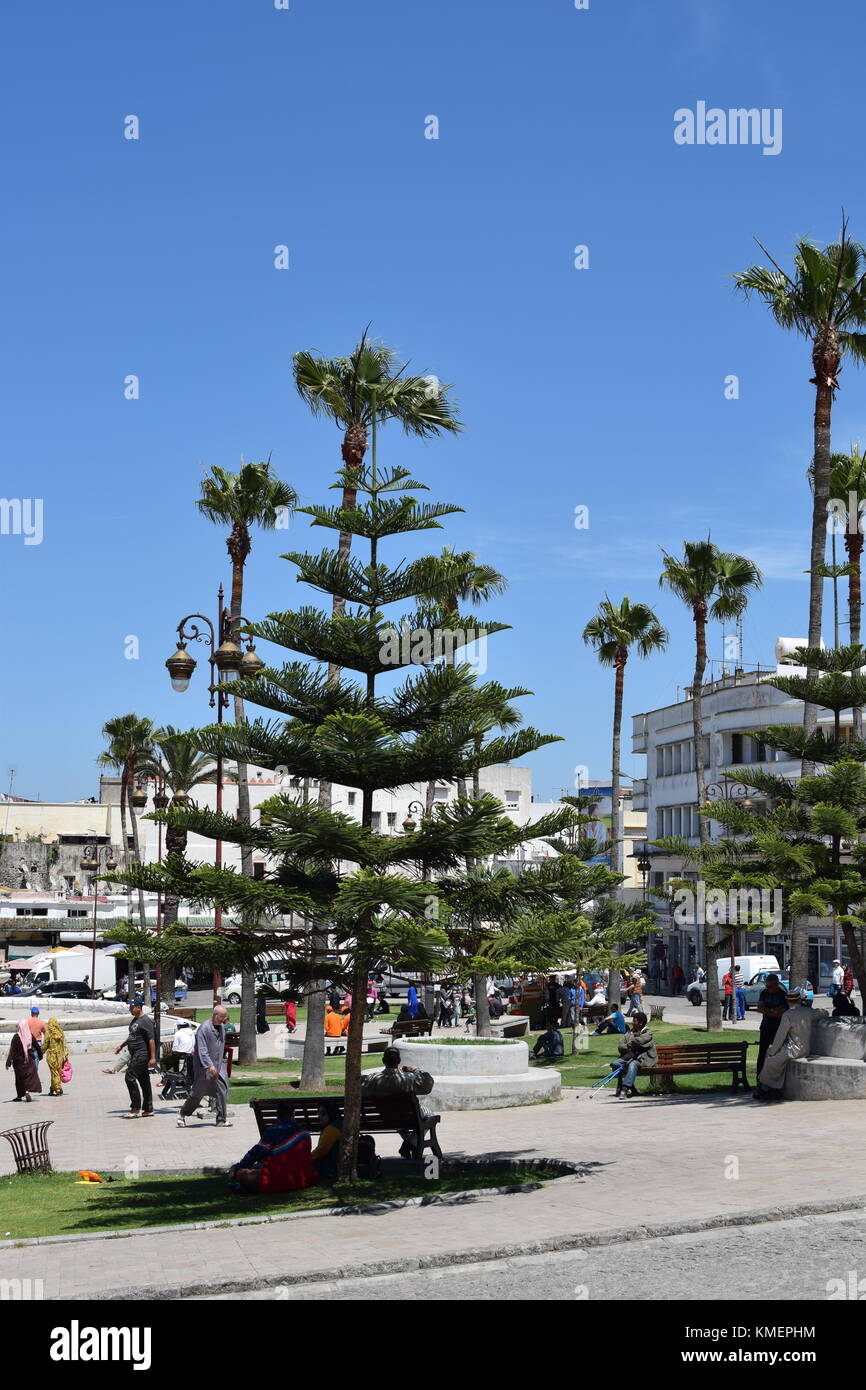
x,y
66,1071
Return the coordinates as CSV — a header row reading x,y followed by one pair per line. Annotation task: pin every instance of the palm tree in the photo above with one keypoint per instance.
x,y
350,391
130,741
254,496
612,633
176,759
824,300
848,484
714,584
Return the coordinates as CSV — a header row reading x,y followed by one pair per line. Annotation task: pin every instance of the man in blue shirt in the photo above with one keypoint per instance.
x,y
614,1023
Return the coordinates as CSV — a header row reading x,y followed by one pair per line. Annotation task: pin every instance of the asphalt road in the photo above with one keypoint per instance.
x,y
789,1260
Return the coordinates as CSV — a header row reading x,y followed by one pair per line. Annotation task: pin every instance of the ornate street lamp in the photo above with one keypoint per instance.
x,y
409,825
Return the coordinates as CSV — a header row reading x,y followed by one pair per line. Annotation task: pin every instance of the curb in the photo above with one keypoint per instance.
x,y
593,1240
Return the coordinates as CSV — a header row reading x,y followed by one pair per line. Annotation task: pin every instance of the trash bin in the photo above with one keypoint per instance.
x,y
30,1147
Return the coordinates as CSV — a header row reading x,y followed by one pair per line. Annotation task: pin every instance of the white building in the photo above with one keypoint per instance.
x,y
735,702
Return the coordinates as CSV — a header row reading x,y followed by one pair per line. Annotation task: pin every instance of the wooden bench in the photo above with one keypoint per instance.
x,y
593,1013
411,1028
379,1115
692,1059
177,1012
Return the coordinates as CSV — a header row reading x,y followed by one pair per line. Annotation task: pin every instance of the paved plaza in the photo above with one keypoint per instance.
x,y
646,1164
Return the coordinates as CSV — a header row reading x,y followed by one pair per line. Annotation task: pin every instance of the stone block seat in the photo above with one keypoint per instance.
x,y
836,1066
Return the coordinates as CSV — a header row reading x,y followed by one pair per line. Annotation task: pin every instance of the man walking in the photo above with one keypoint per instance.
x,y
209,1070
141,1045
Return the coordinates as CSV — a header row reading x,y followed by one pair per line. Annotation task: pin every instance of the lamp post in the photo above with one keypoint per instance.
x,y
226,662
90,864
729,790
410,825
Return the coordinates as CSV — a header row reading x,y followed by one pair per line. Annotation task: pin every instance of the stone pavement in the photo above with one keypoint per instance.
x,y
659,1160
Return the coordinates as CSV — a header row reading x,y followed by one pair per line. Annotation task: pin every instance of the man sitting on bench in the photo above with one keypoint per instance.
x,y
395,1080
637,1052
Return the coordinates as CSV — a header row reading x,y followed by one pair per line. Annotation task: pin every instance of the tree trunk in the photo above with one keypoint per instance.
x,y
854,547
714,997
354,1053
354,447
825,360
714,1006
617,848
799,964
482,1010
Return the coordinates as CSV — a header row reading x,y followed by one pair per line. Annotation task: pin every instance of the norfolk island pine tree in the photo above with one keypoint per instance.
x,y
347,390
321,862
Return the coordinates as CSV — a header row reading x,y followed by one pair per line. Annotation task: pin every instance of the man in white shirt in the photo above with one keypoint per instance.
x,y
838,975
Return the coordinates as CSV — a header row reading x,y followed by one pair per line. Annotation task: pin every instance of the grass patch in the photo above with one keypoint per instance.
x,y
586,1067
245,1085
52,1205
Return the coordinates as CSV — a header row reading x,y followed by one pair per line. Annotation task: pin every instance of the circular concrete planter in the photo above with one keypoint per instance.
x,y
480,1075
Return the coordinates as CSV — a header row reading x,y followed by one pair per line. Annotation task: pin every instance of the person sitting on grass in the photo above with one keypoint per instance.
x,y
280,1162
613,1023
550,1043
637,1051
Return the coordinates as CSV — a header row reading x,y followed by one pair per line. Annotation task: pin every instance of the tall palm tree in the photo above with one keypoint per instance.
x,y
824,300
848,485
254,496
350,391
615,630
176,759
713,584
130,741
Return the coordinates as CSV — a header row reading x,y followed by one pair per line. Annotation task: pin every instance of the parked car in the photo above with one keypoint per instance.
x,y
758,982
60,989
697,992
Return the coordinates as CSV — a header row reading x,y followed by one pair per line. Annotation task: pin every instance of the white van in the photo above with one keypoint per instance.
x,y
748,967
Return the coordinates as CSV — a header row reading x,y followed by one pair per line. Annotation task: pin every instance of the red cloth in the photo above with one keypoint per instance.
x,y
289,1167
291,1014
729,988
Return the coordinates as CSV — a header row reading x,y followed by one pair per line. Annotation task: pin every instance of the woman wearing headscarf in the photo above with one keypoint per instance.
x,y
412,1001
20,1058
54,1053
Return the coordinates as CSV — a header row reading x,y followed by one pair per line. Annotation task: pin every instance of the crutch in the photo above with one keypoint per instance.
x,y
605,1080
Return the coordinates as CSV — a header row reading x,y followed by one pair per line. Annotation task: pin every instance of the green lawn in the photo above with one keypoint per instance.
x,y
52,1204
271,1077
586,1067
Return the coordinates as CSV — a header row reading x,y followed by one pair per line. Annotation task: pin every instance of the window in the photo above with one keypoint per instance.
x,y
440,794
32,912
376,820
259,868
350,798
512,800
76,912
392,819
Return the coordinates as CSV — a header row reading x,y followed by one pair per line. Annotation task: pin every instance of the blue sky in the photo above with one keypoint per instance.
x,y
601,387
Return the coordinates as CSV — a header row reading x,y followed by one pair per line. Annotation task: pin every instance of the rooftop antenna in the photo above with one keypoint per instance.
x,y
739,665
